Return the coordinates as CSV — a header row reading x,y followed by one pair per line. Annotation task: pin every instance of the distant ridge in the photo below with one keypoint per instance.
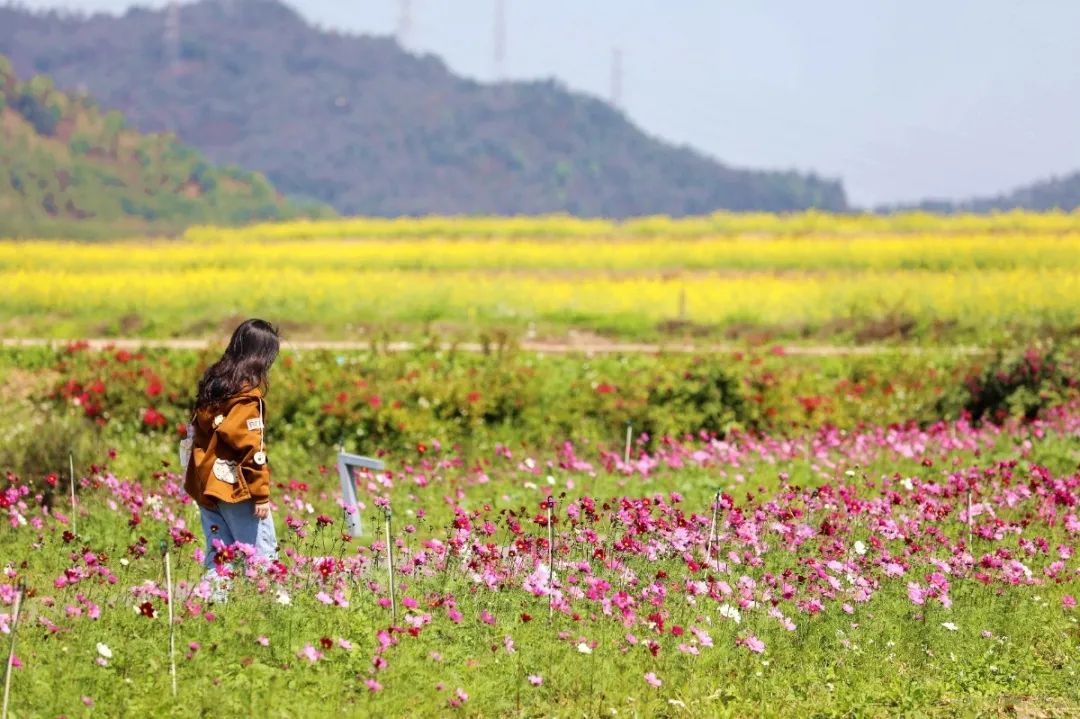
x,y
1055,193
357,122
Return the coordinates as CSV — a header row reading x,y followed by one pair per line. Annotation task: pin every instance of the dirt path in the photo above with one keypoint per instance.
x,y
552,347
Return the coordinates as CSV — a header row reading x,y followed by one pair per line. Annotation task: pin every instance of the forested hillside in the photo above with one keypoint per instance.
x,y
359,123
67,167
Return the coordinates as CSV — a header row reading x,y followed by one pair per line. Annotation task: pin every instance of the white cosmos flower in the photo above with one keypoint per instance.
x,y
584,648
283,598
103,650
860,548
726,610
949,625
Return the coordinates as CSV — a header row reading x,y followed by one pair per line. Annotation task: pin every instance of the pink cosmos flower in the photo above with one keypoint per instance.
x,y
754,644
536,680
1068,601
652,680
915,593
264,641
372,685
310,653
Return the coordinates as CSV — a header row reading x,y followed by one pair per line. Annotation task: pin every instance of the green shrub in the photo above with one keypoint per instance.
x,y
1018,385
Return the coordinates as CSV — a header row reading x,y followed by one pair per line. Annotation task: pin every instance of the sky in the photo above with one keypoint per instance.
x,y
901,99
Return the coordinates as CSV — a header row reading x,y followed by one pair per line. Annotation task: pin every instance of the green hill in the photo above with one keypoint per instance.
x,y
357,122
67,168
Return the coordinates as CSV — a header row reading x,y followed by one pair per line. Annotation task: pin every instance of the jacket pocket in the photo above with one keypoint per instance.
x,y
226,471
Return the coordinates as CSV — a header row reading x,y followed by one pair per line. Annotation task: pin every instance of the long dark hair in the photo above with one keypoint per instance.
x,y
245,364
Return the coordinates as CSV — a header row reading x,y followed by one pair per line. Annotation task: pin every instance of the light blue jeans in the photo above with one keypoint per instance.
x,y
236,522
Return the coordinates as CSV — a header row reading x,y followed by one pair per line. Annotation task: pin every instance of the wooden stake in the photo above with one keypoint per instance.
x,y
11,651
712,530
551,553
390,567
969,517
626,454
172,627
74,507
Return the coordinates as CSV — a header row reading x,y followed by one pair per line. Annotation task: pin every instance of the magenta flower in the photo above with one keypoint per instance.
x,y
652,680
1068,601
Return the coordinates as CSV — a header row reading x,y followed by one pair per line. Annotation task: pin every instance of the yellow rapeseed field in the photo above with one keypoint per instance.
x,y
970,277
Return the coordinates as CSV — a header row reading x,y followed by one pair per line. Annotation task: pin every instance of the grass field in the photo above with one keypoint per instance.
x,y
911,572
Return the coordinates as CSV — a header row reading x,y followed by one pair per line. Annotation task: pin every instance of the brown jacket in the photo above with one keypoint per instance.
x,y
228,432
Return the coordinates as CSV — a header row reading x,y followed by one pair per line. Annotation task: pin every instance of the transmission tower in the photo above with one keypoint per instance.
x,y
500,39
172,34
617,77
405,22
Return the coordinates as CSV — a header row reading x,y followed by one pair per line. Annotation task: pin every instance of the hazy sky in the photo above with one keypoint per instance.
x,y
902,99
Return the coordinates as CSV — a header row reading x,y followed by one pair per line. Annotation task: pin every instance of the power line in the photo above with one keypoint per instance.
x,y
500,39
405,22
617,77
171,36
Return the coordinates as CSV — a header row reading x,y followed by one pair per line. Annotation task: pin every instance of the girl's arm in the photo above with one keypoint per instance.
x,y
242,431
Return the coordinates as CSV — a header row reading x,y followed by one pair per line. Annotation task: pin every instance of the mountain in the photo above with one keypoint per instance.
x,y
1055,193
68,168
357,122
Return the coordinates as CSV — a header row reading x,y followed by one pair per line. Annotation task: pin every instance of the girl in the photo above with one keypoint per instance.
x,y
227,474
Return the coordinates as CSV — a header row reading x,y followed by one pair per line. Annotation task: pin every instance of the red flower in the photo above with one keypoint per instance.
x,y
147,610
323,521
374,401
153,387
51,480
152,418
473,397
526,617
421,448
326,642
605,388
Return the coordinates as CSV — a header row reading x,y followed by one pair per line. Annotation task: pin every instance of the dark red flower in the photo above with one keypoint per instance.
x,y
147,610
326,642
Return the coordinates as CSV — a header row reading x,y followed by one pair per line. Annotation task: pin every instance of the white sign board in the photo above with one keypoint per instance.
x,y
346,463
